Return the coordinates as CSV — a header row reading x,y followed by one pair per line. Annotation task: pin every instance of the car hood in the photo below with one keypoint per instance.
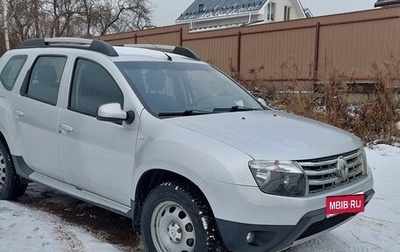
x,y
271,135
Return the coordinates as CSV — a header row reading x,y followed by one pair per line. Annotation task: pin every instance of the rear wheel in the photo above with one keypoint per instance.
x,y
10,183
176,218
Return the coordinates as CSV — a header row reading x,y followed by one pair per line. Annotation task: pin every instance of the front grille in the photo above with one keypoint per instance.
x,y
325,174
325,224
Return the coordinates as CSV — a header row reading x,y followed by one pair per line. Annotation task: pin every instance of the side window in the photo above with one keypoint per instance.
x,y
92,86
44,81
271,11
286,15
11,71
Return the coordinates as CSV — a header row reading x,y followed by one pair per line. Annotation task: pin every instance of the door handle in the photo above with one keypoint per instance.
x,y
65,129
18,114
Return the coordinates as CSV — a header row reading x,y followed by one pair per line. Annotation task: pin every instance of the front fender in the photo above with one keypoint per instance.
x,y
169,147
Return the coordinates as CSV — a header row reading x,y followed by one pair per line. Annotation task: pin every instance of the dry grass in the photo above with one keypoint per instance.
x,y
373,115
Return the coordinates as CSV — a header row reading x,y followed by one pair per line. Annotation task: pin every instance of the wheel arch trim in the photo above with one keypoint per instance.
x,y
148,181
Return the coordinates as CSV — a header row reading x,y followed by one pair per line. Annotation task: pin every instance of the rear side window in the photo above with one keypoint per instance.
x,y
92,86
45,78
11,71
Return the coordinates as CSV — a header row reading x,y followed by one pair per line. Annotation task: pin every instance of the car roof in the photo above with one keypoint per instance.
x,y
143,54
116,53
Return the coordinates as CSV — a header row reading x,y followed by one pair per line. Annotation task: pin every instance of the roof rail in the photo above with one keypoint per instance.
x,y
180,50
88,44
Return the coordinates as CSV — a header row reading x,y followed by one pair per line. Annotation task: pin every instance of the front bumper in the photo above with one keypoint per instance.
x,y
278,237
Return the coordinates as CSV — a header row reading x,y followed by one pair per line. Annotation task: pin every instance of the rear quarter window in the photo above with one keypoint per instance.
x,y
11,70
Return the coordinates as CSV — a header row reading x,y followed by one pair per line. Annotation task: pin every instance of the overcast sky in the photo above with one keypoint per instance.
x,y
165,12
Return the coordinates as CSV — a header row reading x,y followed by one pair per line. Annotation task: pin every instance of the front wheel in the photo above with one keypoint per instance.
x,y
10,183
175,218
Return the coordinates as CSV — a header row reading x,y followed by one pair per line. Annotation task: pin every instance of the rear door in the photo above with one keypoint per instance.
x,y
34,115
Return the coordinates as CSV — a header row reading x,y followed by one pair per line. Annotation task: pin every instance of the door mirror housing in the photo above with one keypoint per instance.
x,y
112,112
262,101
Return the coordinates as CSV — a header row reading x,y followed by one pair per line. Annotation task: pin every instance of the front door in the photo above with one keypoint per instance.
x,y
96,156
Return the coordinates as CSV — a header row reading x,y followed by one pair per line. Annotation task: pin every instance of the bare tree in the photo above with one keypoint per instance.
x,y
60,18
21,23
55,18
5,25
103,17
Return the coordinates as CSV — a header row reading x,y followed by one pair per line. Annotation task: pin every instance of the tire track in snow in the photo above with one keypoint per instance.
x,y
69,240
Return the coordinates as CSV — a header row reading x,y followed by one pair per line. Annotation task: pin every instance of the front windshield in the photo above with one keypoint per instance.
x,y
175,88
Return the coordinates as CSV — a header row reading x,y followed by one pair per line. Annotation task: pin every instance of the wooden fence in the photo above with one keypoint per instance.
x,y
355,46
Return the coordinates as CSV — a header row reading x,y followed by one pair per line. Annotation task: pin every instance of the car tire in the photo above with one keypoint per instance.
x,y
176,218
10,183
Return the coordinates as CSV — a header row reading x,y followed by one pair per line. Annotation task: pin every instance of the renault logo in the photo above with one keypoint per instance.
x,y
342,168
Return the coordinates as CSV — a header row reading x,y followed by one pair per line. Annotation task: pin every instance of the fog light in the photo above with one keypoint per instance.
x,y
251,237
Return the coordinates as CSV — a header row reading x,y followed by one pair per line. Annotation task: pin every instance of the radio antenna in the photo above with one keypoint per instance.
x,y
158,49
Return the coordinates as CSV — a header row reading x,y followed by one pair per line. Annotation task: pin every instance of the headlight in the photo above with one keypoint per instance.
x,y
283,178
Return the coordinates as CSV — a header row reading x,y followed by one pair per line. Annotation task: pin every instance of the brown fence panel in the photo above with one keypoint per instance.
x,y
169,35
308,50
220,51
273,55
352,49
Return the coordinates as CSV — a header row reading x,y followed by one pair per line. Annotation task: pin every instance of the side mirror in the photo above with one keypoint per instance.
x,y
262,101
112,112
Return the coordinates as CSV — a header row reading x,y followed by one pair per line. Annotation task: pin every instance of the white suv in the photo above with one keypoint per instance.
x,y
156,134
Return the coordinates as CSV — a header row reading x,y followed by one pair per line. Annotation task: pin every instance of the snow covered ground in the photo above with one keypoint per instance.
x,y
378,229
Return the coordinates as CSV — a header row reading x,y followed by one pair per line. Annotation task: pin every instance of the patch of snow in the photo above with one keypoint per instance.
x,y
26,230
205,224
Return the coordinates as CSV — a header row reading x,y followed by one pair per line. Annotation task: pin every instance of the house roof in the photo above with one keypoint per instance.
x,y
381,3
215,8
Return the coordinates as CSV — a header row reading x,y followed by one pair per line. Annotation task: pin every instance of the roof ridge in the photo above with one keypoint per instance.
x,y
212,8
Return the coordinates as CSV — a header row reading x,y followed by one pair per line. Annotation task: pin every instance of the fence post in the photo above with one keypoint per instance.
x,y
136,38
181,37
239,51
316,51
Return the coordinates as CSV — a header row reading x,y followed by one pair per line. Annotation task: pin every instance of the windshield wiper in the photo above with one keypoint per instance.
x,y
233,109
189,112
